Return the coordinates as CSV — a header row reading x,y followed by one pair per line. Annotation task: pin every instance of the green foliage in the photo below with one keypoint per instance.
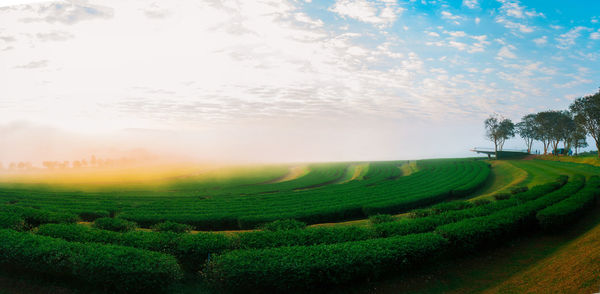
x,y
114,224
314,267
169,226
115,268
555,217
11,221
248,200
34,217
480,202
381,218
281,225
502,196
517,190
91,215
587,116
191,250
472,233
308,236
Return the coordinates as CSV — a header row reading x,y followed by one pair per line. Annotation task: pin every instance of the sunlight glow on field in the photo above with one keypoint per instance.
x,y
147,175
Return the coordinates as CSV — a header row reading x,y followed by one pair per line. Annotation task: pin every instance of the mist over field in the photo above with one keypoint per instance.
x,y
278,142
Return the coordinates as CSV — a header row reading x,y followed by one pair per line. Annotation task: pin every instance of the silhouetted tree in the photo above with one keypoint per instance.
x,y
587,115
547,128
498,129
578,139
527,130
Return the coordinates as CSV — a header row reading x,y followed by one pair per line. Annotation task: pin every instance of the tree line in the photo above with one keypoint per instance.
x,y
551,127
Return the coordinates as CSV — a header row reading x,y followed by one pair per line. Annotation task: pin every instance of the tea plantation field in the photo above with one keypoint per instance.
x,y
157,239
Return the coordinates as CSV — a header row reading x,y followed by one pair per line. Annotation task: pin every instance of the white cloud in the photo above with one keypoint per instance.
x,y
449,16
8,3
33,65
595,35
457,34
477,20
458,45
303,18
471,3
433,34
478,46
67,13
505,52
380,13
541,41
513,8
567,39
514,25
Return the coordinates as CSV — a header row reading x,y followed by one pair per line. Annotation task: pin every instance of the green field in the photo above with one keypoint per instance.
x,y
446,212
247,200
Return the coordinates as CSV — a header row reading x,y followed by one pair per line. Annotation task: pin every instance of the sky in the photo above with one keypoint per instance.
x,y
280,80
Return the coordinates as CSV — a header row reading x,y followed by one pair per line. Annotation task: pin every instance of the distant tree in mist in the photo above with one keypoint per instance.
x,y
498,129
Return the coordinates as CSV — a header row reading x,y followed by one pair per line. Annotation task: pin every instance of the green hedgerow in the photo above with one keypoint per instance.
x,y
170,226
114,224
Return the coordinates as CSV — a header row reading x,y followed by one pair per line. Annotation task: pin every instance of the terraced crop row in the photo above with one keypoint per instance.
x,y
263,260
316,266
382,189
207,243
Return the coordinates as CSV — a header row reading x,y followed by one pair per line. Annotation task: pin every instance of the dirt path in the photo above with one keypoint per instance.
x,y
294,173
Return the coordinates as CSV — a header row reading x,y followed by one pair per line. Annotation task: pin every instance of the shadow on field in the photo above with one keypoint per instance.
x,y
472,274
481,270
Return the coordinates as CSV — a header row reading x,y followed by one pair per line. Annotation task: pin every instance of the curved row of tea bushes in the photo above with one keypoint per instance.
x,y
114,268
318,175
207,209
191,250
477,177
305,267
114,224
472,233
35,217
562,213
310,267
389,198
456,211
11,221
215,243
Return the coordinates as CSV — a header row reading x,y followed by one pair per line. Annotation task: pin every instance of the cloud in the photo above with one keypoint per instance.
x,y
513,8
457,34
505,52
567,39
514,25
54,36
67,13
380,13
477,20
274,62
156,12
471,3
6,41
595,35
541,41
478,46
455,19
33,65
303,18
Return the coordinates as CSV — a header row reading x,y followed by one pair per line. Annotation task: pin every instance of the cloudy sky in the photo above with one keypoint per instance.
x,y
286,80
